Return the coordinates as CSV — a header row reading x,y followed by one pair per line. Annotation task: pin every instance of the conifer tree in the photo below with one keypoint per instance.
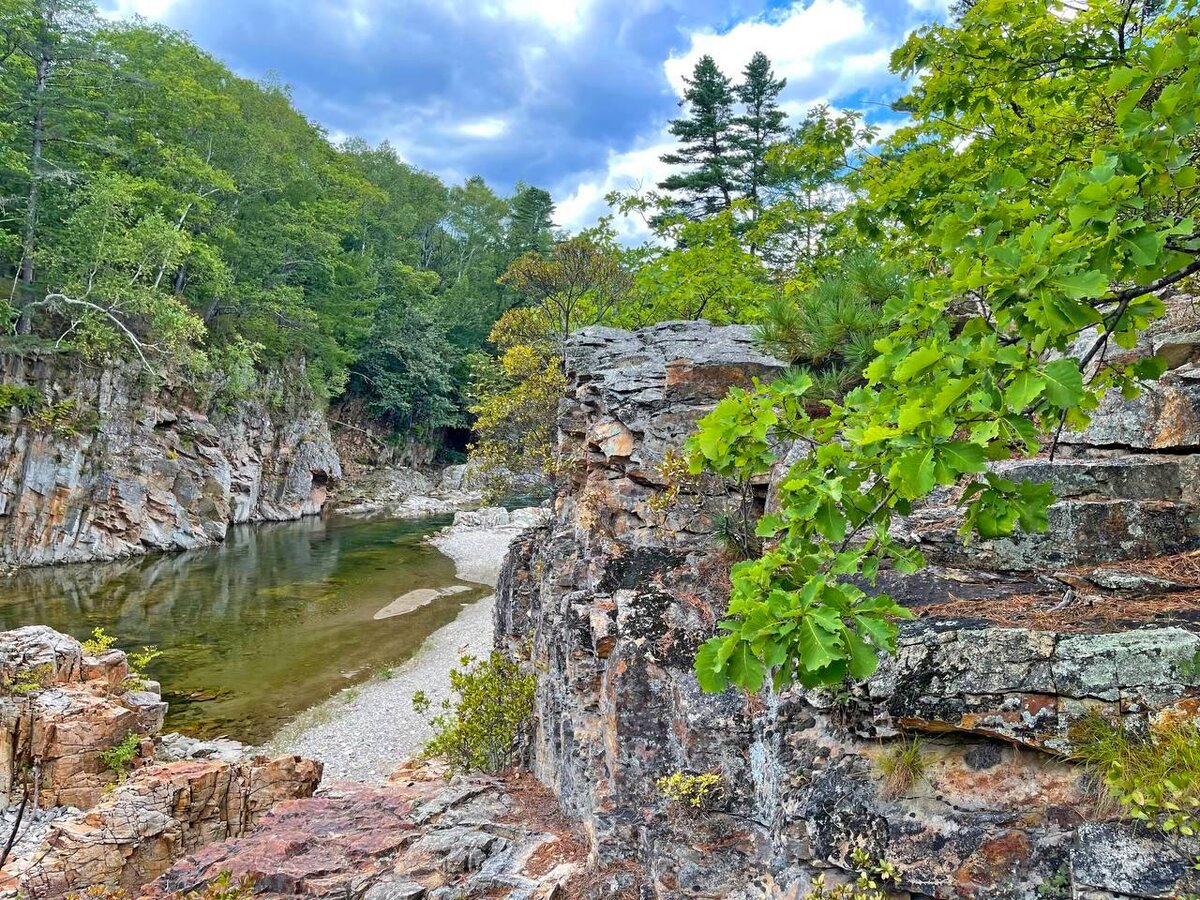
x,y
707,144
530,223
760,125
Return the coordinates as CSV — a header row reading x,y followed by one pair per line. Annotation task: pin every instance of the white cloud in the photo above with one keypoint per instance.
x,y
823,47
562,18
633,170
488,128
797,41
150,9
939,7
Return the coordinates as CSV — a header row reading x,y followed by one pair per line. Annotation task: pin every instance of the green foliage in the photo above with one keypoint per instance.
x,y
21,397
161,210
477,728
901,767
100,642
26,681
119,757
1155,777
1057,886
707,143
870,881
1024,245
579,283
692,791
138,661
831,328
515,402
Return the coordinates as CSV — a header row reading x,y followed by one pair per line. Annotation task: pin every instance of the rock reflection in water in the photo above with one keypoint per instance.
x,y
277,619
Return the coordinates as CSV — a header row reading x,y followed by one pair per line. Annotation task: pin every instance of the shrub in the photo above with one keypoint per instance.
x,y
476,730
872,875
1155,776
515,401
694,791
100,642
138,661
830,329
901,767
118,758
26,681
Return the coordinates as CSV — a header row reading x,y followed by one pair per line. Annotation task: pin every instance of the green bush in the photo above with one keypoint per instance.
x,y
1155,776
100,642
830,329
694,791
26,681
476,729
118,758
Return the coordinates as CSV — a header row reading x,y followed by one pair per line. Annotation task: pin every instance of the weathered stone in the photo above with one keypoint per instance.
x,y
418,835
1029,687
147,469
1119,860
82,708
610,599
155,817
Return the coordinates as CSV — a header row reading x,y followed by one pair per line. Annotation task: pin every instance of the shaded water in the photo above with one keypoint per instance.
x,y
252,632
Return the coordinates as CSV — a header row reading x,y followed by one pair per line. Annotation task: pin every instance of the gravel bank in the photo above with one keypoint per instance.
x,y
362,733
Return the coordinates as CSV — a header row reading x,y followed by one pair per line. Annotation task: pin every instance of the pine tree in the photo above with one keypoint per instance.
x,y
761,124
707,144
530,223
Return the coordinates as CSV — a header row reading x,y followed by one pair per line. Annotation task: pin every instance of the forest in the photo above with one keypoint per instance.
x,y
927,287
896,581
161,210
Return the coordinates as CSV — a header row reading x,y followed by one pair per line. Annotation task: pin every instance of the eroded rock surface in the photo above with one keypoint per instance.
x,y
420,836
113,822
610,599
132,468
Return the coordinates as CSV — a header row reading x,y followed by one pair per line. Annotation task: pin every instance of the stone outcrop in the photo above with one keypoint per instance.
x,y
118,821
124,467
420,837
404,493
61,711
154,818
609,601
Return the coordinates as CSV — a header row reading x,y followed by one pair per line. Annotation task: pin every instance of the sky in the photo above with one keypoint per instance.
x,y
570,95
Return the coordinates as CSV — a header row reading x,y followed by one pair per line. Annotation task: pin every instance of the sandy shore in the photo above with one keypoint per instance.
x,y
362,733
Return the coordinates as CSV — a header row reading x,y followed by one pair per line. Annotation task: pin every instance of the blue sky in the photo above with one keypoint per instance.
x,y
571,95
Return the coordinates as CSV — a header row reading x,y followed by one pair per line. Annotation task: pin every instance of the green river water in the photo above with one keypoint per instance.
x,y
260,628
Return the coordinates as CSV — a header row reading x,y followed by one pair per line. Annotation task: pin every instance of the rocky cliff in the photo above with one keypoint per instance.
x,y
1016,641
98,463
92,796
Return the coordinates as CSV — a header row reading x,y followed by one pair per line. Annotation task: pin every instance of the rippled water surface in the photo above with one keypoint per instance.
x,y
275,620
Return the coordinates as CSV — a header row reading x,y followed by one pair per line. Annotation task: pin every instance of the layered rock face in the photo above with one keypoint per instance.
x,y
119,467
93,816
421,836
1017,641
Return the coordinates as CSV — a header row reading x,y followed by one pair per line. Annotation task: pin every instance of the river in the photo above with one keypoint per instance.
x,y
252,632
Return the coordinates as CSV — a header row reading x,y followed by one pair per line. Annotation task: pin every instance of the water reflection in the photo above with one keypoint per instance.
x,y
252,632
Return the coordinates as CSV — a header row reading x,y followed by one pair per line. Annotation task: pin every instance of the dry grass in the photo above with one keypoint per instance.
x,y
1091,613
901,766
1181,567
